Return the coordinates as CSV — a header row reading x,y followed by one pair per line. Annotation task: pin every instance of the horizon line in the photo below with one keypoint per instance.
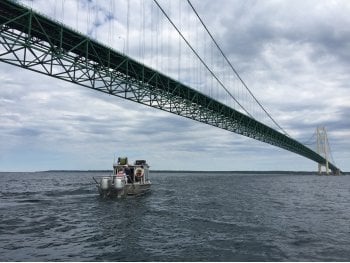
x,y
175,171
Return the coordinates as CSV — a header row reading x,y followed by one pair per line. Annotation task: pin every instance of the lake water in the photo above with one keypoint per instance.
x,y
59,216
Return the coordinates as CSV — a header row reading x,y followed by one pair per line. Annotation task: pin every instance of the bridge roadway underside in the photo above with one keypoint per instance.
x,y
35,42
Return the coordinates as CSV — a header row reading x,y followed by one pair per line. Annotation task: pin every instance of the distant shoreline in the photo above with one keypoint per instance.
x,y
182,171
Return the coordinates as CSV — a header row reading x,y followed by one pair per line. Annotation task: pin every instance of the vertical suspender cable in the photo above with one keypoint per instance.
x,y
127,27
62,12
54,9
77,16
168,44
157,39
140,30
179,55
143,31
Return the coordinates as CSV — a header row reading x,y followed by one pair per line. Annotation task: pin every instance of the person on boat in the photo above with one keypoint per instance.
x,y
120,174
120,171
139,174
129,178
132,177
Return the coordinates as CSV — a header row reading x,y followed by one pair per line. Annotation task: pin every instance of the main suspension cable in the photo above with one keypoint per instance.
x,y
330,151
310,141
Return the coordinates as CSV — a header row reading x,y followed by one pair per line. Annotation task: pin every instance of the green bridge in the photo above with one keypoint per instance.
x,y
35,42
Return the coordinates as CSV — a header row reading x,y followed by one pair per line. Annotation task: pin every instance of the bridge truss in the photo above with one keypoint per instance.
x,y
35,42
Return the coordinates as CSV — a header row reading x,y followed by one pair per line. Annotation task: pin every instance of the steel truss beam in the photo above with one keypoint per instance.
x,y
35,42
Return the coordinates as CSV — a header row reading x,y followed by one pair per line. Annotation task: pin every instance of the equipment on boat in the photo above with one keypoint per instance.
x,y
125,180
105,183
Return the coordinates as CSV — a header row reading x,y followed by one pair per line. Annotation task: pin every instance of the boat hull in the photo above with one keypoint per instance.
x,y
128,189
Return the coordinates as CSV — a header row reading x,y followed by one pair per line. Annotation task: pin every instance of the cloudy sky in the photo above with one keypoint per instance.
x,y
293,55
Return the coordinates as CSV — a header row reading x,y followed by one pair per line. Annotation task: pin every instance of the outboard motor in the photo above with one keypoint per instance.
x,y
119,183
105,182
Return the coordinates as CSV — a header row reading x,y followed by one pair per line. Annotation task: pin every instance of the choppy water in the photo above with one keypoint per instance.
x,y
192,217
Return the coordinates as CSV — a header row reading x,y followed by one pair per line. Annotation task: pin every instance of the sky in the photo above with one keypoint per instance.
x,y
293,55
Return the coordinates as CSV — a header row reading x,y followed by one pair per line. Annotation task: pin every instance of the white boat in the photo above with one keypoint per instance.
x,y
125,180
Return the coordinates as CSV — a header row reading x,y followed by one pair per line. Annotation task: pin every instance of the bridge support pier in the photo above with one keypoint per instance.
x,y
320,168
322,149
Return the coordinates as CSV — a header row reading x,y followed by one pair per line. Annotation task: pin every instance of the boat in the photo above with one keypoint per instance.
x,y
125,180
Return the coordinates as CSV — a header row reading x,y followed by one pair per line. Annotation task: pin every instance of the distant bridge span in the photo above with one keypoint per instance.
x,y
35,42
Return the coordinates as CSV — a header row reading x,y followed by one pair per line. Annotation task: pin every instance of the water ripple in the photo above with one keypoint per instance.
x,y
60,217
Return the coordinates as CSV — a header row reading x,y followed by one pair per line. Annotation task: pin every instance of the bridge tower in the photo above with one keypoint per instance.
x,y
322,149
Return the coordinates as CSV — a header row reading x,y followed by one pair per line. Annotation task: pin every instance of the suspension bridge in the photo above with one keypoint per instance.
x,y
33,41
